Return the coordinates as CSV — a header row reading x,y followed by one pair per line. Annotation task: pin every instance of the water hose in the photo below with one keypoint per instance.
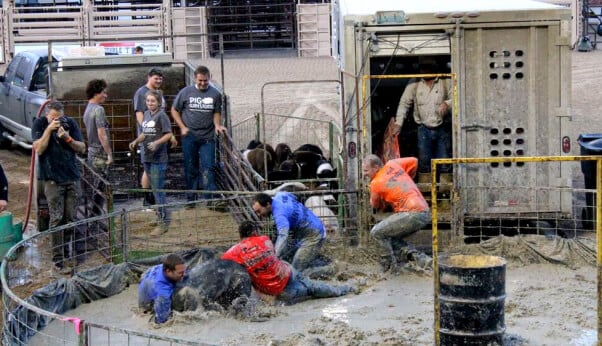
x,y
32,167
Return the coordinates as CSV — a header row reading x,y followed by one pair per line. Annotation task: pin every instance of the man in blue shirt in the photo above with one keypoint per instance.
x,y
292,218
157,286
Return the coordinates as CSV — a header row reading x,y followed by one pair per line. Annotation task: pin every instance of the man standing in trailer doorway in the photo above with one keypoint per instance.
x,y
431,99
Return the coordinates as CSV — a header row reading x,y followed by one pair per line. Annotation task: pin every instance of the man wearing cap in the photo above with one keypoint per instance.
x,y
153,82
430,98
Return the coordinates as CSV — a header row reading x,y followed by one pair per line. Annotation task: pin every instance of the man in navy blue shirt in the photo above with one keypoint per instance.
x,y
57,141
292,218
157,286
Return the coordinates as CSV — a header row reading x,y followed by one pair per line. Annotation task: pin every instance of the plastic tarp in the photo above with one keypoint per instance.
x,y
526,249
84,287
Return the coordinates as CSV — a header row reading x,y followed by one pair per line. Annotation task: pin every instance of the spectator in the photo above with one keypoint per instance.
x,y
391,186
3,190
156,132
57,140
138,50
273,276
100,155
292,218
157,286
197,111
153,82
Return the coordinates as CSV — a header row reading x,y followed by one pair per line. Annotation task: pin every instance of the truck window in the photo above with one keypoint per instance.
x,y
40,78
20,73
9,75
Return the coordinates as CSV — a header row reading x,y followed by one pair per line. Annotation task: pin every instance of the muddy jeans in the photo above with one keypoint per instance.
x,y
310,242
156,173
400,225
62,203
300,288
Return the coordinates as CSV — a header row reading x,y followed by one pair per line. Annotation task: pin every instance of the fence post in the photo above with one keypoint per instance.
x,y
124,222
82,339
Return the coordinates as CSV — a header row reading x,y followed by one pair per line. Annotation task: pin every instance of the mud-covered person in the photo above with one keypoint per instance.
x,y
292,220
392,186
57,141
154,138
197,112
273,276
157,287
154,81
100,154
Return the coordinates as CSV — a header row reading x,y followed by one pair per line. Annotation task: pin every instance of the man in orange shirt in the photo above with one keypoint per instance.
x,y
391,185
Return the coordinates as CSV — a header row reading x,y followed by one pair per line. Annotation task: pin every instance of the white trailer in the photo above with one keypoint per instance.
x,y
512,64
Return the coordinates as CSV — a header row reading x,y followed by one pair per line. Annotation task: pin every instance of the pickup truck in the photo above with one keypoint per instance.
x,y
23,89
31,78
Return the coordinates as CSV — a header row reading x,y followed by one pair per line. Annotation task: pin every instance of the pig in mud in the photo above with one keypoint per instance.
x,y
214,285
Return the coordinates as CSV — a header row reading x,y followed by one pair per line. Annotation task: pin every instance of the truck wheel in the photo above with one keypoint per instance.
x,y
4,142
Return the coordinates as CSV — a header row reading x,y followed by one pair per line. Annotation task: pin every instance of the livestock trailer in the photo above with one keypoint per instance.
x,y
510,63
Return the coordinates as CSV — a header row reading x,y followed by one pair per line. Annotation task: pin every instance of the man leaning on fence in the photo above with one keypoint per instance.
x,y
57,141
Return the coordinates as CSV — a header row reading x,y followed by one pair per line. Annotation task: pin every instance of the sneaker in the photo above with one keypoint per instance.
x,y
157,231
63,269
220,206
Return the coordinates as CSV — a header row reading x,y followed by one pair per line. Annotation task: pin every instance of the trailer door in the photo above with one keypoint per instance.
x,y
510,88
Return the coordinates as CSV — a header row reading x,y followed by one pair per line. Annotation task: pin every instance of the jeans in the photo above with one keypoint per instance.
x,y
156,175
300,288
434,143
401,224
62,206
199,162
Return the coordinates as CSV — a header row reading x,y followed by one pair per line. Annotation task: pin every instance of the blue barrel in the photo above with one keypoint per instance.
x,y
472,292
10,233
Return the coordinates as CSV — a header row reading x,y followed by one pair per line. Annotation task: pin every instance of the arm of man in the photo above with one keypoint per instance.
x,y
41,138
74,139
101,120
405,102
446,106
177,117
217,122
162,304
282,229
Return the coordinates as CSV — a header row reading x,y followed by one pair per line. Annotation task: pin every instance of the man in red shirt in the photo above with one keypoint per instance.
x,y
273,276
391,185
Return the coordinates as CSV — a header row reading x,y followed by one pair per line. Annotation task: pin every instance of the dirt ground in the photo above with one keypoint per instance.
x,y
546,304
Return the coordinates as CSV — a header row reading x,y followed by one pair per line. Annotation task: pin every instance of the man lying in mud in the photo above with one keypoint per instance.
x,y
272,276
157,287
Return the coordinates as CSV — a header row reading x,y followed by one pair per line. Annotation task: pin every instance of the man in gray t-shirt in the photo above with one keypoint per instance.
x,y
100,154
197,111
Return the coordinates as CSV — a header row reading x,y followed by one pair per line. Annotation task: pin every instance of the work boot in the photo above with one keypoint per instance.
x,y
422,261
160,229
445,182
149,199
